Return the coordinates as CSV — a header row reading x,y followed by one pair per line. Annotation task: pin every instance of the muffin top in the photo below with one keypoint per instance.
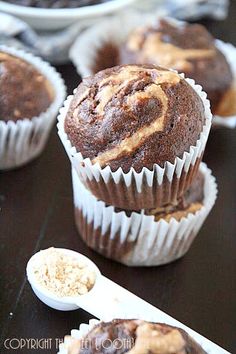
x,y
135,337
24,92
171,45
188,48
134,116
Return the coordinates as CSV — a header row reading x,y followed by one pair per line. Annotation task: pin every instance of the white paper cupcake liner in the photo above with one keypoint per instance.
x,y
76,334
23,140
148,188
115,30
137,239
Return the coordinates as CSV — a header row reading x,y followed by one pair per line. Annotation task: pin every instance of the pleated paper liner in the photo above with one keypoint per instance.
x,y
103,39
148,188
23,140
136,239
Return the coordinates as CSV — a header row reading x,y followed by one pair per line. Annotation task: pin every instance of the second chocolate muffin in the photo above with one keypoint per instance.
x,y
134,116
138,238
135,336
188,48
24,91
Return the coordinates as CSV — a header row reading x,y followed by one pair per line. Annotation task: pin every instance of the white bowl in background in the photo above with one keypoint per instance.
x,y
54,19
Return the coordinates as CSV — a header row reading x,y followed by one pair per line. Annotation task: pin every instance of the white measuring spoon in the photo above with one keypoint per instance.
x,y
108,300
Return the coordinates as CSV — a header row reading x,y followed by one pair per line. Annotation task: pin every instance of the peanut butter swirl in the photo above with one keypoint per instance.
x,y
151,339
155,50
125,113
135,337
111,86
188,48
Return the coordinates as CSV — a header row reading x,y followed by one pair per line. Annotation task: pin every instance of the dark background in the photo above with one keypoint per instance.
x,y
37,212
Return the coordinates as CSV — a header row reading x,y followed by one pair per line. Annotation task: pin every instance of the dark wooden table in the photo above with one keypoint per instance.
x,y
37,212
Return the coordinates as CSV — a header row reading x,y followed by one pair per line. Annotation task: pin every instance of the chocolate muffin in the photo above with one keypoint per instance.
x,y
135,336
24,91
115,247
134,116
188,48
147,237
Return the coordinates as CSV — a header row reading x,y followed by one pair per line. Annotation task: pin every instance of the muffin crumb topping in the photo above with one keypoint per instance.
x,y
150,338
63,275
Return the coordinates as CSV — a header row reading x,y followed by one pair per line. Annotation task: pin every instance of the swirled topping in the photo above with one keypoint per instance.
x,y
135,337
24,91
129,113
151,338
170,45
188,48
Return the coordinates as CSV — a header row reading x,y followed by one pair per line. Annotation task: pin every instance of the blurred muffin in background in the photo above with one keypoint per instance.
x,y
31,93
188,48
24,91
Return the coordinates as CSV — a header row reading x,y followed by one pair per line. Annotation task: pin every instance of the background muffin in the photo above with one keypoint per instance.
x,y
136,336
31,93
188,48
24,91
